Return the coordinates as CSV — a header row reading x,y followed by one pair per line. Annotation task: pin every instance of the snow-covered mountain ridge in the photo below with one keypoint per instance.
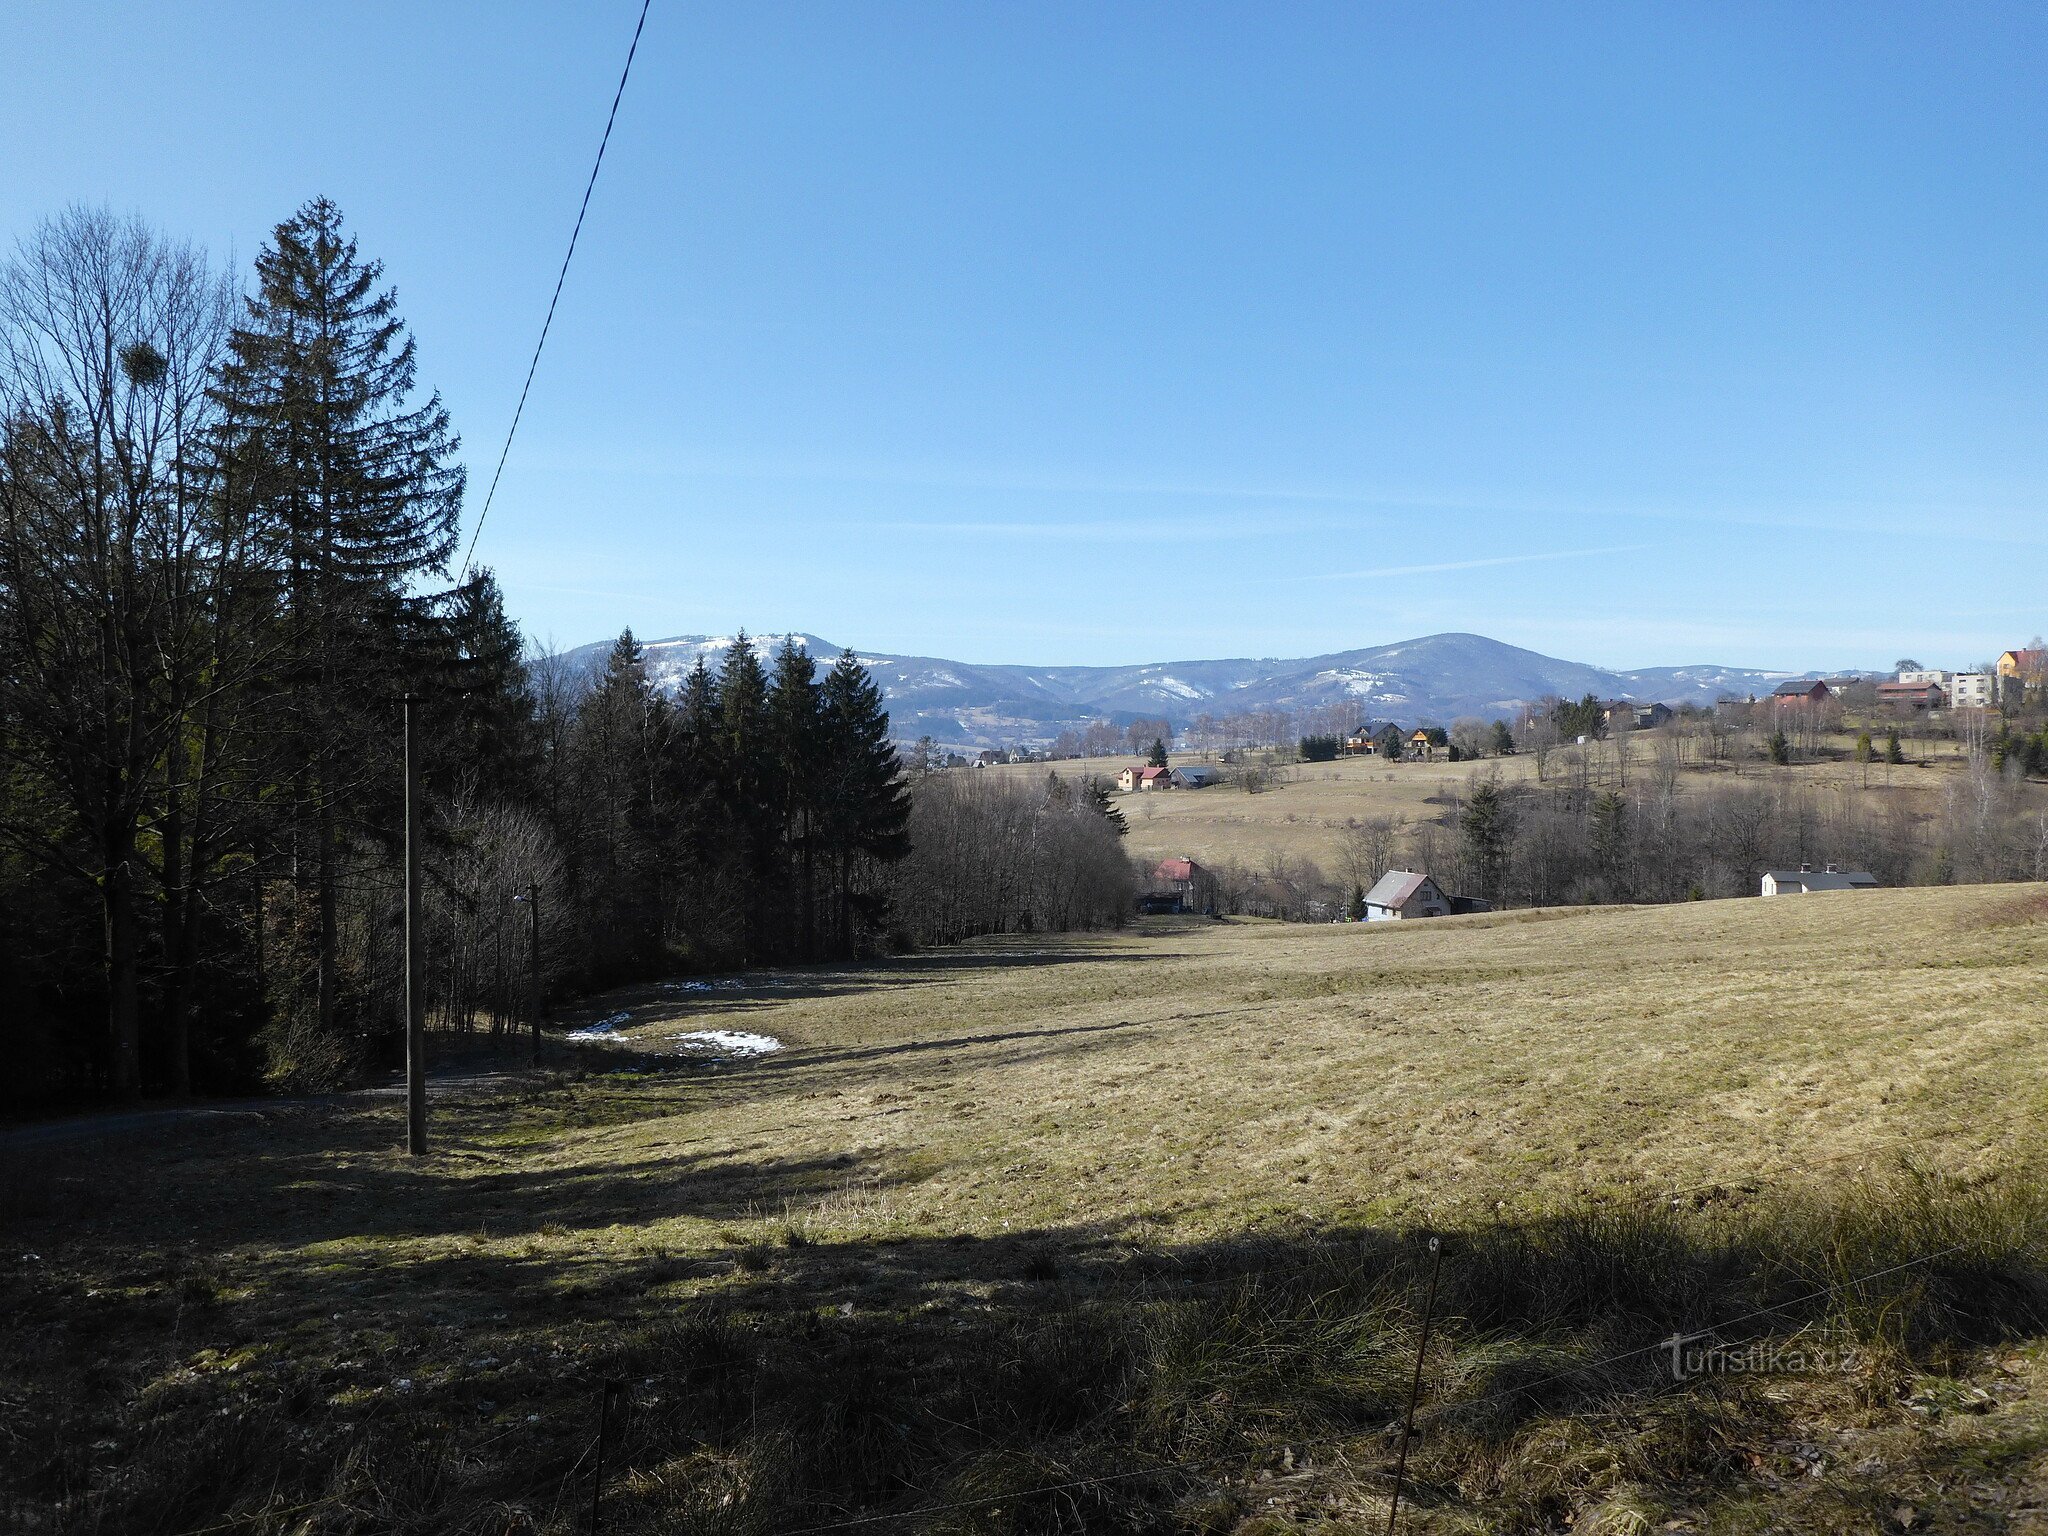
x,y
1432,679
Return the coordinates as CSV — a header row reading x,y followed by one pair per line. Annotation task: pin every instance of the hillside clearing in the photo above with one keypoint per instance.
x,y
1087,1147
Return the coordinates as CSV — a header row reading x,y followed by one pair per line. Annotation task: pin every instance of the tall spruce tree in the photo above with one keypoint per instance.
x,y
745,783
708,918
612,846
795,718
362,495
1103,803
1485,826
866,805
485,740
1611,841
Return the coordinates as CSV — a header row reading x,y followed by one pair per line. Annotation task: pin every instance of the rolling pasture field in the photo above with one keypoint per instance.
x,y
1308,807
1104,1233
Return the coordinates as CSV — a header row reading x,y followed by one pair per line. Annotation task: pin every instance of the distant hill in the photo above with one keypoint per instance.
x,y
1433,679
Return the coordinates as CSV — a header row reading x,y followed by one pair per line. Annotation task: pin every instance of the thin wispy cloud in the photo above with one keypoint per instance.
x,y
1999,519
1474,565
1099,531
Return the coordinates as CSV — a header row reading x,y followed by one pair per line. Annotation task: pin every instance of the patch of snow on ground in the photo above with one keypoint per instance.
x,y
723,984
725,1044
603,1026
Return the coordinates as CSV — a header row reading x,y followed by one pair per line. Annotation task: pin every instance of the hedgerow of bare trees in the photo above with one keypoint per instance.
x,y
993,854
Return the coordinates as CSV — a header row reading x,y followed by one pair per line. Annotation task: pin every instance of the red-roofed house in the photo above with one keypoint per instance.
x,y
2021,670
1911,695
1192,887
1801,691
1144,778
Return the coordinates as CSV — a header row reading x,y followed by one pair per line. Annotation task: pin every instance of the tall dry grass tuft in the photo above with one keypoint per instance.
x,y
1139,1397
1090,1388
2030,906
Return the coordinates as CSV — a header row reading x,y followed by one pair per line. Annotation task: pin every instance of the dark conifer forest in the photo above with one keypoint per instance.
x,y
229,508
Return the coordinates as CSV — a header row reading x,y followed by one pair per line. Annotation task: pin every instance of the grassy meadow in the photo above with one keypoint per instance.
x,y
1135,1218
1307,808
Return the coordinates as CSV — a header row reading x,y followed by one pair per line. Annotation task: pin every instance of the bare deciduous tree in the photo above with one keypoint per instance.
x,y
107,335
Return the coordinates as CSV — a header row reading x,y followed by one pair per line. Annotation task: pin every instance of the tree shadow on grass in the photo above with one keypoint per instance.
x,y
1067,1379
823,1066
1055,1039
753,990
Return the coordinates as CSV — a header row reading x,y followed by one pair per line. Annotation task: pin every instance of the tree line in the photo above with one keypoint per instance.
x,y
1640,838
228,520
225,526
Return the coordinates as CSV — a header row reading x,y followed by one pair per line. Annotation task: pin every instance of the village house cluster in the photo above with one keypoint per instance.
x,y
1181,885
1370,740
2007,683
1191,776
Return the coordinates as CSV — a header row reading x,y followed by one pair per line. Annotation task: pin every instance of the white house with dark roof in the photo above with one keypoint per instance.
x,y
1807,881
1405,893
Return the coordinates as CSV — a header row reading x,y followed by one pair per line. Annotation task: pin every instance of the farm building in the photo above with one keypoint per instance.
x,y
1404,893
1801,691
1190,887
1369,740
1144,778
1911,696
1633,716
1196,776
1806,880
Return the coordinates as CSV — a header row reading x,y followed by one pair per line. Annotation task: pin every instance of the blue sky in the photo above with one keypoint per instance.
x,y
1099,333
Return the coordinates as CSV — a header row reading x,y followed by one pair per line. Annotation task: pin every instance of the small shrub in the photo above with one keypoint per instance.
x,y
300,1057
2029,908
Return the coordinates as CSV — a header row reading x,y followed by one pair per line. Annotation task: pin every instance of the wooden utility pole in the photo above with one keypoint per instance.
x,y
415,948
533,946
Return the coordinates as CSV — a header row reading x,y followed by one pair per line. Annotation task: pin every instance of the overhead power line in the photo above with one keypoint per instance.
x,y
560,277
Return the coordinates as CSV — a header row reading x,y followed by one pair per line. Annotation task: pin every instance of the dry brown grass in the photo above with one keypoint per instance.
x,y
963,1158
1201,1075
1309,807
2029,906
